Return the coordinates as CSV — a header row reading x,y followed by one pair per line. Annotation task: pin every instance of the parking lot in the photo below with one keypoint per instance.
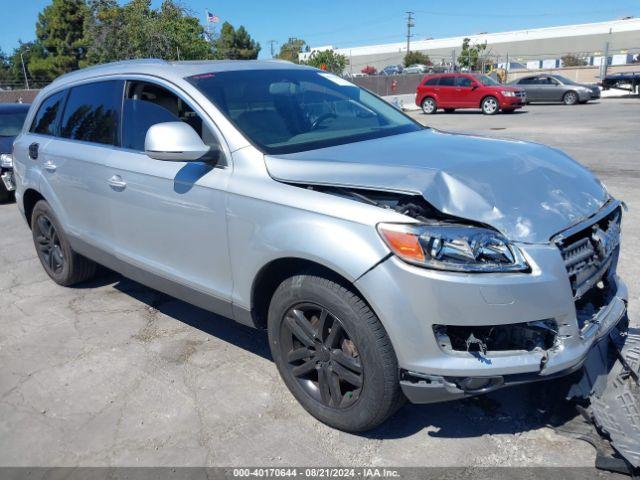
x,y
112,373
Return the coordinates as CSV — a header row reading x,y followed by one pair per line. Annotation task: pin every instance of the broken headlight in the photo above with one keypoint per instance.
x,y
458,248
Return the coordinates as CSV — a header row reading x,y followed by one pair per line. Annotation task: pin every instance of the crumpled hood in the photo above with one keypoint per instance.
x,y
525,190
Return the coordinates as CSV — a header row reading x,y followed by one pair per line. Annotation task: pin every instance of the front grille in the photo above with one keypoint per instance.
x,y
521,94
589,253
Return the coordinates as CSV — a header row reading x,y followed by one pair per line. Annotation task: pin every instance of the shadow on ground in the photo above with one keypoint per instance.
x,y
508,411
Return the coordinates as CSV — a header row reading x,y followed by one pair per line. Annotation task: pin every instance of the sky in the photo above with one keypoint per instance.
x,y
348,23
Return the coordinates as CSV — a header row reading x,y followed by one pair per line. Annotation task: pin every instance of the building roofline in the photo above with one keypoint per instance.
x,y
611,26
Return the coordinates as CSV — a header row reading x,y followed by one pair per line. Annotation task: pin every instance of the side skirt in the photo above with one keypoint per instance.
x,y
182,292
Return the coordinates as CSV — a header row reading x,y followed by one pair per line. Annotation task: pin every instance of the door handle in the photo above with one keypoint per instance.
x,y
117,183
50,167
33,151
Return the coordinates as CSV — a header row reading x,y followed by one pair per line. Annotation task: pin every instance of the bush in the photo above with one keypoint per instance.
x,y
413,58
573,61
328,60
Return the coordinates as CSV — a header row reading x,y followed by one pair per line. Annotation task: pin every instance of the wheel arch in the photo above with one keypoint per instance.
x,y
432,96
29,199
487,96
271,275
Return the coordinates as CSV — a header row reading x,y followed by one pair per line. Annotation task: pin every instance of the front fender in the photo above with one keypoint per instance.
x,y
261,232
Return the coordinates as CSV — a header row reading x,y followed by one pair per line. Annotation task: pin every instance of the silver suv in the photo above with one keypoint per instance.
x,y
386,260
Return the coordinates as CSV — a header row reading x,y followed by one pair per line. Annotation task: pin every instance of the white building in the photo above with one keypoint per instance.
x,y
521,46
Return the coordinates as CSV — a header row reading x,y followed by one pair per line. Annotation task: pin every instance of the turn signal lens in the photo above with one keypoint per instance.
x,y
403,243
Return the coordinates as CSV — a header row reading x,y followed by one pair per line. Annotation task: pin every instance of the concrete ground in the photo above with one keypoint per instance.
x,y
112,373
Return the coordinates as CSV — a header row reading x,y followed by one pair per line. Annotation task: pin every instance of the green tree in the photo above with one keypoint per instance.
x,y
573,61
5,65
105,32
328,60
412,58
291,49
471,55
61,32
136,30
235,44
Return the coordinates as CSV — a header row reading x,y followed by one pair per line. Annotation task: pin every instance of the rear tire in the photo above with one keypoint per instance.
x,y
5,195
429,106
490,105
570,98
333,353
62,264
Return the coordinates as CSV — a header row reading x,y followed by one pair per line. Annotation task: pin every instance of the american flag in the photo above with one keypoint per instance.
x,y
211,18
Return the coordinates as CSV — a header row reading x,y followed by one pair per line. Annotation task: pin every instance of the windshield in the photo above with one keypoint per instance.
x,y
286,111
565,80
484,80
11,123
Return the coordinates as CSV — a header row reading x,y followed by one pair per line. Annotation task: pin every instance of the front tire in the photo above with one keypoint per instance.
x,y
570,98
490,105
429,106
62,264
333,353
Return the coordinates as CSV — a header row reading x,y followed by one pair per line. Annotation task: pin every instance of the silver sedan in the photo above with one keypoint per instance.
x,y
556,88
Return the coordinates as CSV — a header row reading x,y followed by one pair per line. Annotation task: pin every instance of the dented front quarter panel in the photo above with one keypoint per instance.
x,y
525,190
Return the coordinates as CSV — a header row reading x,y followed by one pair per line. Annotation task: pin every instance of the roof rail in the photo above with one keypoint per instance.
x,y
140,61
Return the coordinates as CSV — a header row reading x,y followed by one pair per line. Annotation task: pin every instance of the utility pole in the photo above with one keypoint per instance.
x,y
410,25
271,45
604,65
24,70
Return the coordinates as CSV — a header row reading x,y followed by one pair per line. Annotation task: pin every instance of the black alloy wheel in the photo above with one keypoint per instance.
x,y
48,245
321,355
332,352
59,260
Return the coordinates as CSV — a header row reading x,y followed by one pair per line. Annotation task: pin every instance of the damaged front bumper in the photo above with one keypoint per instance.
x,y
414,302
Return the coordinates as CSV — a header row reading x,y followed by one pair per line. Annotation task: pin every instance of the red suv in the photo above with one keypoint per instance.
x,y
466,90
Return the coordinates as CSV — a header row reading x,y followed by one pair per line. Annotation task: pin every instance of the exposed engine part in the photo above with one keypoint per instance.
x,y
592,302
484,339
475,345
414,206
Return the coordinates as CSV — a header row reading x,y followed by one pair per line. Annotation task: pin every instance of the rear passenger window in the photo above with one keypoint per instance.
x,y
92,113
45,122
446,81
432,81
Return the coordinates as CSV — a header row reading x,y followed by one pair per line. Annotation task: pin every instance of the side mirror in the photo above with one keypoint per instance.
x,y
474,86
174,141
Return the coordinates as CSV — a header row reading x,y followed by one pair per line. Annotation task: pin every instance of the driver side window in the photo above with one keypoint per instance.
x,y
146,104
